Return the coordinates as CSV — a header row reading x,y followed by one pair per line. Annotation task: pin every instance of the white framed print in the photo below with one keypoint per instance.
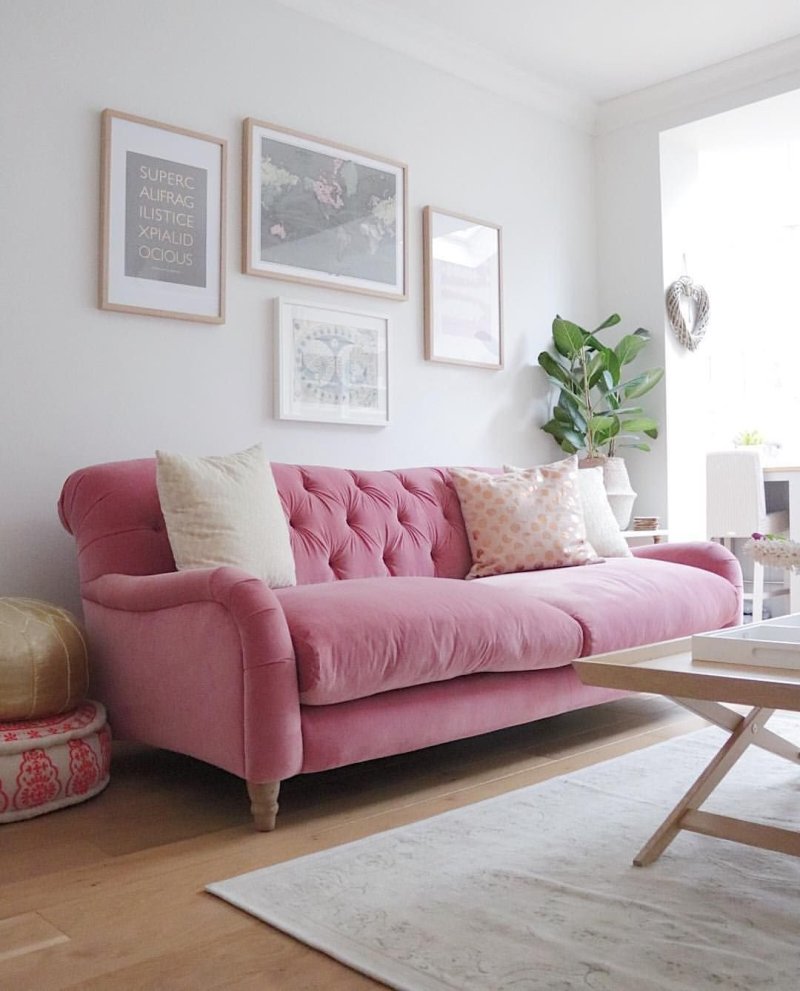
x,y
322,213
162,220
463,289
332,365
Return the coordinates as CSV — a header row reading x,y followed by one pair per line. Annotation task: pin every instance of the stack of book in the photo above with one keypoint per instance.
x,y
645,522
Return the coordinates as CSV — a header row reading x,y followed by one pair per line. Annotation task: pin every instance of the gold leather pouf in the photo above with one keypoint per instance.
x,y
44,667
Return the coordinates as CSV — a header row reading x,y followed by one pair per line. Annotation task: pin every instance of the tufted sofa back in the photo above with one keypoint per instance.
x,y
343,524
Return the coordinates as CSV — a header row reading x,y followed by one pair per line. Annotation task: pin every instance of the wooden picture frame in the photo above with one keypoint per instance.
x,y
322,213
162,219
331,365
462,259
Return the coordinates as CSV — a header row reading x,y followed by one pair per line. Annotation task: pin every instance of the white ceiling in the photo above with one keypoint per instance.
x,y
603,49
578,58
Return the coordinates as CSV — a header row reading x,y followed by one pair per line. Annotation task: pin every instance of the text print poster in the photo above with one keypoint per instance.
x,y
165,220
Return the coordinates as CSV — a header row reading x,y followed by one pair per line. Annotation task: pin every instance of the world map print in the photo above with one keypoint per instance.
x,y
326,214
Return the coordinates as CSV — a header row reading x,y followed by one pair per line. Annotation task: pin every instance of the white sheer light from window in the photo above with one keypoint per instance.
x,y
747,249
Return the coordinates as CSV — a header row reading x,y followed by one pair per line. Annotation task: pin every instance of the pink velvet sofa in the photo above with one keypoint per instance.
x,y
380,648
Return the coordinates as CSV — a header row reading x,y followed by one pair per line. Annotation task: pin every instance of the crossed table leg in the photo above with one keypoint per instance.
x,y
744,731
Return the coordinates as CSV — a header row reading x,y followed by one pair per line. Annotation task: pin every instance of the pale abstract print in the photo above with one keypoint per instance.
x,y
336,366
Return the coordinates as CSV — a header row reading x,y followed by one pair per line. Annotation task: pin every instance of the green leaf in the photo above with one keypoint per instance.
x,y
628,411
603,423
641,425
568,337
606,381
562,433
562,415
593,344
629,347
595,369
555,370
606,431
575,410
641,384
572,390
609,322
621,411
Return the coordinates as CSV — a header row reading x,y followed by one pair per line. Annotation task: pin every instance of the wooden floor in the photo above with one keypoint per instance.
x,y
109,894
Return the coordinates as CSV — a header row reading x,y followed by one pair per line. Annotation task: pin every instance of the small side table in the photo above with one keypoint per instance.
x,y
656,536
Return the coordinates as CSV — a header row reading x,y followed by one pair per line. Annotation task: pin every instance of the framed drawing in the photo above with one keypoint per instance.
x,y
162,220
463,289
332,365
322,213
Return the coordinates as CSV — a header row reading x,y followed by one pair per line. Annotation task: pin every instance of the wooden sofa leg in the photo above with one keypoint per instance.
x,y
264,803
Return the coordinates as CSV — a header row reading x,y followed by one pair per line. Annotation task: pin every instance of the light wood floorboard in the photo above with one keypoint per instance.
x,y
122,875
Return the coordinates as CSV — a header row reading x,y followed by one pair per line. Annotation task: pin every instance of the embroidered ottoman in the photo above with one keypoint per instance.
x,y
46,764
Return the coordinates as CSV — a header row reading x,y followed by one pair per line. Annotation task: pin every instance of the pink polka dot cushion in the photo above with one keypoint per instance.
x,y
46,764
524,520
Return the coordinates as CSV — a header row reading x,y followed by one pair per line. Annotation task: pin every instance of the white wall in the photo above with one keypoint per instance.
x,y
634,269
687,372
79,385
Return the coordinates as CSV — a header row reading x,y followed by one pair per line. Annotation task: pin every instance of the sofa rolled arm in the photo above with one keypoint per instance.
x,y
704,554
200,662
251,602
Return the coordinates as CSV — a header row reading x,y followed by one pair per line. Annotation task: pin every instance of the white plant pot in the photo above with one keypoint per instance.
x,y
621,496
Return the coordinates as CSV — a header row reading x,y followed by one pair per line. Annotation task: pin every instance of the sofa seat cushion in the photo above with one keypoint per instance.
x,y
625,602
364,636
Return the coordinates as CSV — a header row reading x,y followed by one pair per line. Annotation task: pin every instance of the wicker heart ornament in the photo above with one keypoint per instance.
x,y
697,300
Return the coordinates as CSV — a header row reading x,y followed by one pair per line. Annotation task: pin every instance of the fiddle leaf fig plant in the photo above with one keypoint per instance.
x,y
594,411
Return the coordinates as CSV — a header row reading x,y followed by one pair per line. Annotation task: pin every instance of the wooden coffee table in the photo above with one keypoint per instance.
x,y
701,686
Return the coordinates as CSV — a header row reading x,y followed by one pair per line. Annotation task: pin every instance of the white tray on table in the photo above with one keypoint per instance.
x,y
774,643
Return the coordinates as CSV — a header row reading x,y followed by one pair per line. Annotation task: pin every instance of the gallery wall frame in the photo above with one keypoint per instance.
x,y
323,213
162,219
463,277
331,364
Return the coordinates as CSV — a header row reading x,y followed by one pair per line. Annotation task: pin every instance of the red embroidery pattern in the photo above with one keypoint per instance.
x,y
4,799
37,781
104,736
84,770
36,729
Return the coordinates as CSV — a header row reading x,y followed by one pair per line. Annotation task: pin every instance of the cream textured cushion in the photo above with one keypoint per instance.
x,y
225,510
602,529
523,520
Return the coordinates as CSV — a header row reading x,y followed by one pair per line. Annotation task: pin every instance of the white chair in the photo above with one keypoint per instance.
x,y
736,507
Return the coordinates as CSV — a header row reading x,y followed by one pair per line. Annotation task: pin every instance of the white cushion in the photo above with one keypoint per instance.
x,y
225,510
602,529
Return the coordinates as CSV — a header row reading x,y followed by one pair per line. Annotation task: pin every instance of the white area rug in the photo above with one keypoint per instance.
x,y
535,889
